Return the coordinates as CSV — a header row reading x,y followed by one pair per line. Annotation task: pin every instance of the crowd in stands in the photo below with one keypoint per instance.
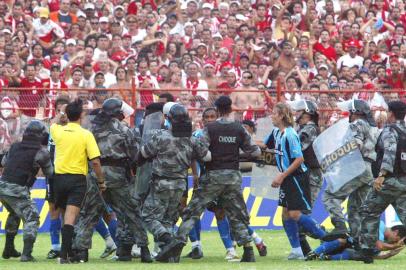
x,y
187,47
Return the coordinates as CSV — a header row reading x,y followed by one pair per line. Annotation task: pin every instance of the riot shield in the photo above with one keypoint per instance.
x,y
338,155
151,125
264,171
264,128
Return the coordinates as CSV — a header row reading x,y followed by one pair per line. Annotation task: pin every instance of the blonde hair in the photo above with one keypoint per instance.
x,y
286,112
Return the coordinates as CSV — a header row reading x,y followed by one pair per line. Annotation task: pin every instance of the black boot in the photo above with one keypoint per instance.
x,y
81,256
367,255
9,248
145,255
248,255
124,254
27,250
304,244
339,226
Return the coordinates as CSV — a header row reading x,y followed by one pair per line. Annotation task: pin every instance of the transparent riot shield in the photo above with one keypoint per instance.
x,y
264,171
152,124
338,155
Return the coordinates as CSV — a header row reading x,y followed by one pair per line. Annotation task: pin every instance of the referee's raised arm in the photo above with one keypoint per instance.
x,y
74,147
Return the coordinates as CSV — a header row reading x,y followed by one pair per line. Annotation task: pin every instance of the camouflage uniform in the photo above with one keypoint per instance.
x,y
172,158
224,185
118,146
307,134
357,189
393,191
17,199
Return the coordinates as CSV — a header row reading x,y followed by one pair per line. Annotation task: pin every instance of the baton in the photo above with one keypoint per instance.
x,y
105,205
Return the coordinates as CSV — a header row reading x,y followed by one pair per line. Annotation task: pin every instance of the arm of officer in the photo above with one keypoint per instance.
x,y
4,160
151,148
200,150
43,159
305,138
93,154
359,129
248,145
389,138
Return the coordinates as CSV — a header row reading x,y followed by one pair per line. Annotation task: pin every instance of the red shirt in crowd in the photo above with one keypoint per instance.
x,y
30,98
329,52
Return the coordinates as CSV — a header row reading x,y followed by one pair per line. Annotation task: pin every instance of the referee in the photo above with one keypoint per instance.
x,y
294,192
74,147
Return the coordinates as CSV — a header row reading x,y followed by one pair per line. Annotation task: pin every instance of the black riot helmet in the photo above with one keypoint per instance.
x,y
112,107
358,107
181,125
36,131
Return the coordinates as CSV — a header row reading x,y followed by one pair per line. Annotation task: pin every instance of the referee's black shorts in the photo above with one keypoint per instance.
x,y
69,189
294,193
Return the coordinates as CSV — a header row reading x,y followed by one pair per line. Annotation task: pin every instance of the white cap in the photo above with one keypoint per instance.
x,y
241,17
167,107
70,41
323,66
189,1
81,14
89,6
118,7
207,5
217,35
6,30
103,19
235,2
224,4
188,24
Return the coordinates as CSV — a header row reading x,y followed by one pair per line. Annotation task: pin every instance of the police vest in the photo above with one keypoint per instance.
x,y
399,168
225,142
309,156
19,167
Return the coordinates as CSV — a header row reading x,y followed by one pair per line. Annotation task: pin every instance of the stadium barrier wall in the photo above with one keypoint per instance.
x,y
265,214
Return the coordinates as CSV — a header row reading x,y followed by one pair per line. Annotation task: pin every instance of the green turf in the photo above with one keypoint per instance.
x,y
278,249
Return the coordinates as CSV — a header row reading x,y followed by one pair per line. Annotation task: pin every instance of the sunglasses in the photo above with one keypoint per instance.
x,y
247,77
131,21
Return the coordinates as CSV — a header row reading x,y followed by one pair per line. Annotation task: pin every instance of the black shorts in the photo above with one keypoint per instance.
x,y
69,189
50,193
294,193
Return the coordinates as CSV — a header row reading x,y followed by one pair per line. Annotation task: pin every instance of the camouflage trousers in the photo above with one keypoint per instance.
x,y
123,203
356,190
17,200
232,202
161,208
315,182
393,192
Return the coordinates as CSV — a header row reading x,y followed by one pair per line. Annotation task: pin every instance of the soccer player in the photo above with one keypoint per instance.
x,y
293,181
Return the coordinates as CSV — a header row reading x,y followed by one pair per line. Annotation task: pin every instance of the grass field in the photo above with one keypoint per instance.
x,y
278,249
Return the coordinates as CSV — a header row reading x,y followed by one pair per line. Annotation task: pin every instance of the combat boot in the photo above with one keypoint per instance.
x,y
81,256
27,250
9,248
367,255
124,253
248,255
339,227
145,255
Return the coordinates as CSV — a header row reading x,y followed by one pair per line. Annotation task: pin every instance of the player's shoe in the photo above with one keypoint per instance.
x,y
53,254
295,256
108,251
262,249
311,256
232,257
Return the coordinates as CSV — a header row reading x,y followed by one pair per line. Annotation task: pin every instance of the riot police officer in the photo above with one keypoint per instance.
x,y
390,185
172,151
21,165
365,134
118,147
225,138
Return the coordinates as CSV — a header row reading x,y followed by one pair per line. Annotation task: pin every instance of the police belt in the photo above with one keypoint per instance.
x,y
156,177
122,162
370,160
